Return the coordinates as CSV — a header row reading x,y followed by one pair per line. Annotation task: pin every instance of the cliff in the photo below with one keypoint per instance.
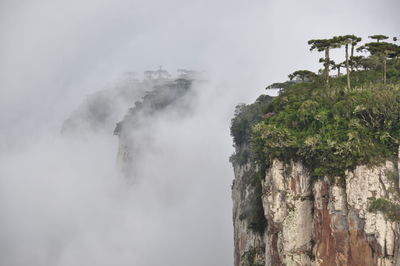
x,y
326,222
166,100
314,183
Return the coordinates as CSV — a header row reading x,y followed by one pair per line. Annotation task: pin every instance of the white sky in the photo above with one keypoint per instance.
x,y
55,52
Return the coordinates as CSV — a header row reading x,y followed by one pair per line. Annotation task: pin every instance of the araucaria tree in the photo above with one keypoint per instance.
x,y
347,40
303,75
355,41
336,66
378,37
383,50
324,45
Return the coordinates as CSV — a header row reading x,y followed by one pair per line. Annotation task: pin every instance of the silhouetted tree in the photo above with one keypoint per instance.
x,y
161,73
378,37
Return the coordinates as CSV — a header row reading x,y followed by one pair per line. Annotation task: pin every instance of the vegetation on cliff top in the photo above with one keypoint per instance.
x,y
163,93
329,123
329,127
330,130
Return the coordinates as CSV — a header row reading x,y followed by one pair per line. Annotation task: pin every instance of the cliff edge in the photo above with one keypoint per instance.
x,y
317,177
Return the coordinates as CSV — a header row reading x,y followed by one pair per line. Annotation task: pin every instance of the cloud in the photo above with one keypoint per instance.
x,y
62,202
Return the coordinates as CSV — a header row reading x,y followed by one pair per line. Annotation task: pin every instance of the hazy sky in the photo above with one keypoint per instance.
x,y
59,49
60,202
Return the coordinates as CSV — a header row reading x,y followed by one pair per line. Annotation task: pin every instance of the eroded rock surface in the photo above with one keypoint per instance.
x,y
318,222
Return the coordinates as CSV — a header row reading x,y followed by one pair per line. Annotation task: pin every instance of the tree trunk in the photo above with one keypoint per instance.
x,y
384,70
327,59
352,56
347,66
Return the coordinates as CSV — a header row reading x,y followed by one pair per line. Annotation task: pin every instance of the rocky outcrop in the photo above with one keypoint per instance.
x,y
329,221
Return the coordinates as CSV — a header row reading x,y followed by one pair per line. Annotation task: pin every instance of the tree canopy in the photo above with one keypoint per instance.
x,y
303,75
378,37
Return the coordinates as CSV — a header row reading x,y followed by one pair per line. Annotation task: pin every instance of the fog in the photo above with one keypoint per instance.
x,y
62,199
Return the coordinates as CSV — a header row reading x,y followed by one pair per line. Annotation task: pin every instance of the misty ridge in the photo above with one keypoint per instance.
x,y
114,185
103,108
159,96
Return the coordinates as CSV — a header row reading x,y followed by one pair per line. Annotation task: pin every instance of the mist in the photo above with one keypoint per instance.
x,y
63,201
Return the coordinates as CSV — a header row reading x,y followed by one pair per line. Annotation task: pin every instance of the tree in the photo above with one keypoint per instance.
x,y
357,62
355,41
347,40
281,86
161,73
395,53
324,45
303,75
336,66
378,37
383,50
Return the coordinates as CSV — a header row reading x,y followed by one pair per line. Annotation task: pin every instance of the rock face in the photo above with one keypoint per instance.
x,y
318,222
249,245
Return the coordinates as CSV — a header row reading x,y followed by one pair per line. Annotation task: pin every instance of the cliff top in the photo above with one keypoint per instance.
x,y
329,123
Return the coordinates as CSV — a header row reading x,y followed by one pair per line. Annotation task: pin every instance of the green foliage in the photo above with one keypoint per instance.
x,y
253,211
240,157
378,37
303,75
321,121
250,256
322,44
246,116
330,130
382,48
389,209
280,85
255,218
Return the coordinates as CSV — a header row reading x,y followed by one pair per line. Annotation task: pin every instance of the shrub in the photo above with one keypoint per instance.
x,y
389,209
331,132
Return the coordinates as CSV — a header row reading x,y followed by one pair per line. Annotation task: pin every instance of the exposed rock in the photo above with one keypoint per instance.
x,y
249,245
287,204
319,222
